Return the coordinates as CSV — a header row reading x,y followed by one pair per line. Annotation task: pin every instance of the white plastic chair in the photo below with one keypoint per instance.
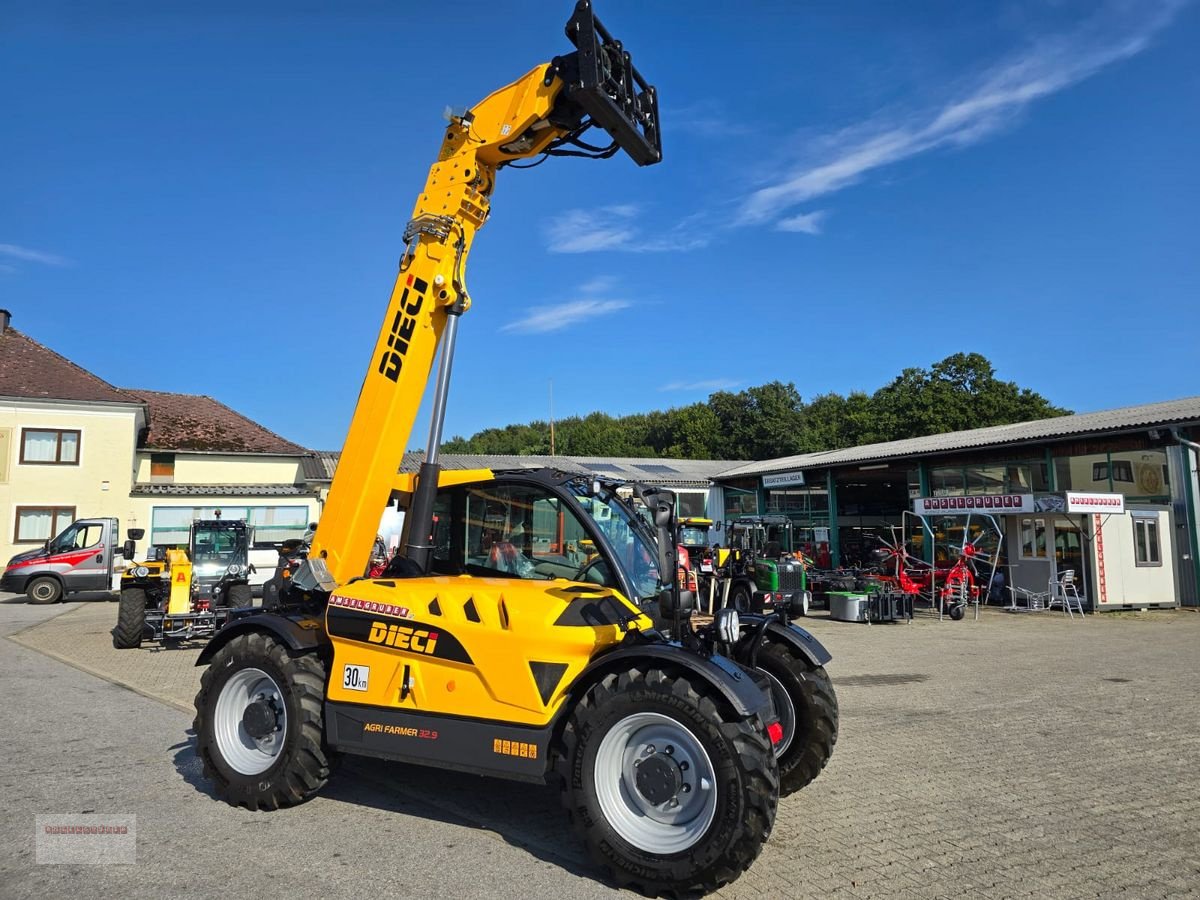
x,y
1064,593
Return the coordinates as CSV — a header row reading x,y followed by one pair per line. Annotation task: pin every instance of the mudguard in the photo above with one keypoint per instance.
x,y
299,632
792,635
736,686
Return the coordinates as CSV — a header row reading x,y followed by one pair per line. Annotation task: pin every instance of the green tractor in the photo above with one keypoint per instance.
x,y
761,570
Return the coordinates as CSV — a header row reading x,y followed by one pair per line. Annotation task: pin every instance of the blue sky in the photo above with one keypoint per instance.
x,y
209,198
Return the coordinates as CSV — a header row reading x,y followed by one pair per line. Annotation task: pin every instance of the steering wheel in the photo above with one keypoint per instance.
x,y
581,575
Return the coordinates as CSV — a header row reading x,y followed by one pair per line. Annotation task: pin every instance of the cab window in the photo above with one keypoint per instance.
x,y
526,532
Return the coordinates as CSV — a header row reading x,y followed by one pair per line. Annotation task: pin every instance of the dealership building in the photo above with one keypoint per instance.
x,y
1109,496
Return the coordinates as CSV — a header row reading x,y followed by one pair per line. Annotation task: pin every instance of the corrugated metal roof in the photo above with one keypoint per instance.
x,y
696,473
1113,420
223,490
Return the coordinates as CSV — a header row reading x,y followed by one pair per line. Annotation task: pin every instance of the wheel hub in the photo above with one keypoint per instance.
x,y
658,779
260,719
655,783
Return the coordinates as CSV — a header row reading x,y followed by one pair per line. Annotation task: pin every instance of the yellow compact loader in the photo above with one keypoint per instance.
x,y
533,628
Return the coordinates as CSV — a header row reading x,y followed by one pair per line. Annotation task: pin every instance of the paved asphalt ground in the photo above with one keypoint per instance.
x,y
1014,756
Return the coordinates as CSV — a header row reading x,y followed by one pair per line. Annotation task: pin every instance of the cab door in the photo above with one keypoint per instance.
x,y
86,555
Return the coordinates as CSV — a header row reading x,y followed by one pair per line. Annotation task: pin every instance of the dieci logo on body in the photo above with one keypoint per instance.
x,y
403,638
403,326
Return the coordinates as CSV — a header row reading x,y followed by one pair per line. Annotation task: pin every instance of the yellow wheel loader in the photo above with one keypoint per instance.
x,y
533,628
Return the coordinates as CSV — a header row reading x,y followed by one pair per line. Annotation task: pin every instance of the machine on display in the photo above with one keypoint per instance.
x,y
533,627
762,569
182,594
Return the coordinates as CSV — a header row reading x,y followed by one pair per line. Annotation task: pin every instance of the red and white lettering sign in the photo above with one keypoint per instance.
x,y
989,503
1095,503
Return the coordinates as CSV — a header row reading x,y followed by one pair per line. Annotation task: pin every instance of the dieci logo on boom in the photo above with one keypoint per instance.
x,y
403,638
401,332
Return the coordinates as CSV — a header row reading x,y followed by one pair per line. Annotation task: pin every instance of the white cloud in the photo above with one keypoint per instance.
x,y
998,98
805,223
615,227
585,231
35,256
714,384
542,319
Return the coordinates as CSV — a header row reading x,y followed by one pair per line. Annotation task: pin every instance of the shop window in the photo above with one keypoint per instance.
x,y
35,524
49,447
1138,474
1082,473
270,525
1033,539
692,503
1146,549
740,503
947,482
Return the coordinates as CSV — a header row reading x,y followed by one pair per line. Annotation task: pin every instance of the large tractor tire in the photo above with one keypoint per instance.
x,y
667,791
808,712
259,724
44,590
240,596
131,619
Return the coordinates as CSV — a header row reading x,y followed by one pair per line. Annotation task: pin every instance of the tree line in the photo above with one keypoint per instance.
x,y
773,419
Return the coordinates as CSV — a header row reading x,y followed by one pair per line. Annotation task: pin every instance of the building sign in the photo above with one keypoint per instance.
x,y
986,503
5,450
1095,503
787,479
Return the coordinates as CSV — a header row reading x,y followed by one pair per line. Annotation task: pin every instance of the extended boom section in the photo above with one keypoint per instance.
x,y
544,112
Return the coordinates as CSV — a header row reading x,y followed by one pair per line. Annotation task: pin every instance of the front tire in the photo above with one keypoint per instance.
x,y
260,724
808,711
131,619
665,789
44,590
240,596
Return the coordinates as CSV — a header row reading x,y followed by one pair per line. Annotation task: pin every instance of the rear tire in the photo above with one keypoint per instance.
x,y
719,773
808,712
240,596
44,590
253,680
131,619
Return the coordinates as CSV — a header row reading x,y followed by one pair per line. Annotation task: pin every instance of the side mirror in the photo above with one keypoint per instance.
x,y
666,603
128,550
136,534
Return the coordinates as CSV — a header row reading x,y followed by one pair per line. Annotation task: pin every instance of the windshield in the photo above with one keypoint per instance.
x,y
636,550
215,548
692,536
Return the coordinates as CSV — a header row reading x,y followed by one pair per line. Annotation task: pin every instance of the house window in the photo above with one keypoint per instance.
x,y
40,523
49,447
1033,539
1146,550
162,468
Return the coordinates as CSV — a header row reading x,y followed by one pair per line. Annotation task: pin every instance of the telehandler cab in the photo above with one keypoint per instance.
x,y
514,637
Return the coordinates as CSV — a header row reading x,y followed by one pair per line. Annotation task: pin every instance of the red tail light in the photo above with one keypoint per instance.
x,y
775,732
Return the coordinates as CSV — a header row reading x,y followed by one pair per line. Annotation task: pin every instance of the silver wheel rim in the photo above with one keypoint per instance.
x,y
682,819
786,710
242,752
43,591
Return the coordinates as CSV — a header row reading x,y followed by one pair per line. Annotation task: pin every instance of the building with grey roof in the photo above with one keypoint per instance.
x,y
848,504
